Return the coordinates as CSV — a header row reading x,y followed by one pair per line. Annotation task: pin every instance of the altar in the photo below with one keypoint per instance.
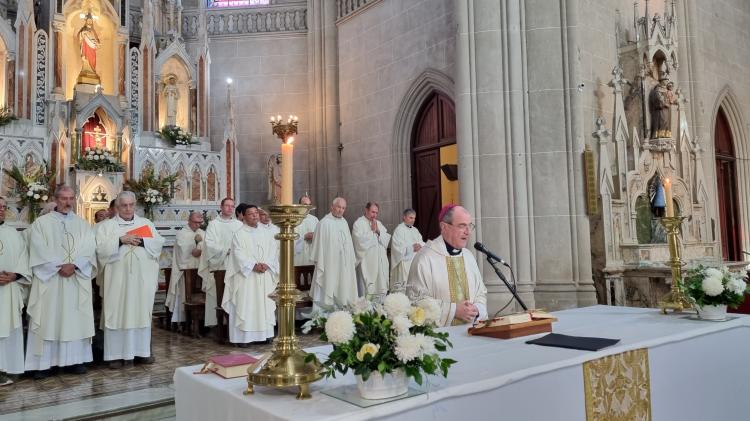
x,y
664,367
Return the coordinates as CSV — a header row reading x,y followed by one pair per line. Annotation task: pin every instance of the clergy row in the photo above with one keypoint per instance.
x,y
53,273
240,242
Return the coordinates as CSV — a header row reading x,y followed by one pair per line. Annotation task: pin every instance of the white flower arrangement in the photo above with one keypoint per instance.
x,y
37,192
176,135
99,158
369,338
708,286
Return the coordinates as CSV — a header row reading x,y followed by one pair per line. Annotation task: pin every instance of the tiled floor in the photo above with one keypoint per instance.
x,y
171,350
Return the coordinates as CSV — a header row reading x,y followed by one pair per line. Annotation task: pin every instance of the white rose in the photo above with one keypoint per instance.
x,y
339,327
37,197
44,198
29,193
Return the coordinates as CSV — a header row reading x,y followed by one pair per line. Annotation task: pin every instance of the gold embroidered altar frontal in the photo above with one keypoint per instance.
x,y
618,387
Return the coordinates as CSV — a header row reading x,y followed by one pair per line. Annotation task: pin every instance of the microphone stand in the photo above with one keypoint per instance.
x,y
512,290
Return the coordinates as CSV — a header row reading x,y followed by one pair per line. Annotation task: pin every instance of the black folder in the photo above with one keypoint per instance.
x,y
573,342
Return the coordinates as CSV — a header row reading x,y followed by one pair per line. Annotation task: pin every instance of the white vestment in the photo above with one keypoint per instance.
x,y
99,265
448,279
270,227
14,258
252,315
182,259
402,252
302,247
131,276
218,240
335,280
372,257
61,312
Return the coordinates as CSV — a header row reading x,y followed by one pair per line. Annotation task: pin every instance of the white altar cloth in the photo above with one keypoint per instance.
x,y
696,371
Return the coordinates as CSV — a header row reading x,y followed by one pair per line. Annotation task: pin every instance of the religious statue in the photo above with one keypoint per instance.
x,y
30,167
660,101
171,95
274,178
8,187
89,41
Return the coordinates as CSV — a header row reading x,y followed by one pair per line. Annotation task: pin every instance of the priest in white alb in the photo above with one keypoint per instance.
x,y
218,240
129,247
15,278
306,231
61,313
335,280
370,243
406,241
265,222
185,255
252,275
446,271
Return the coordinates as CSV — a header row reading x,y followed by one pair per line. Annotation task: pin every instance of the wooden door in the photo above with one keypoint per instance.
x,y
435,128
726,180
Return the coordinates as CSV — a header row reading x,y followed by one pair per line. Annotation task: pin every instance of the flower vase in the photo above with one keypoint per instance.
x,y
716,313
33,212
379,386
149,213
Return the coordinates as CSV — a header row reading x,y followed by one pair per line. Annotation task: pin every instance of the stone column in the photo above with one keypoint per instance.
x,y
523,182
122,64
324,158
58,87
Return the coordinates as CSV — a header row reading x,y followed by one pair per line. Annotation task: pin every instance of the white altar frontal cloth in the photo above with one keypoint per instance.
x,y
696,372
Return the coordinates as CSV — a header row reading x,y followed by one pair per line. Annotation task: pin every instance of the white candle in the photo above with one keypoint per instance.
x,y
287,172
668,197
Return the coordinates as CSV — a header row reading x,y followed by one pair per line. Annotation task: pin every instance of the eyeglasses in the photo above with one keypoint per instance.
x,y
3,208
470,226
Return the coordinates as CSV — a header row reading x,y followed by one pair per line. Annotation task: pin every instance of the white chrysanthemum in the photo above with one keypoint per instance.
x,y
360,305
396,304
431,310
401,325
408,348
29,193
712,285
340,327
37,197
737,286
426,343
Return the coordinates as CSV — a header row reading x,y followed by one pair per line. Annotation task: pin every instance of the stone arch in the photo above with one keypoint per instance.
x,y
727,102
429,82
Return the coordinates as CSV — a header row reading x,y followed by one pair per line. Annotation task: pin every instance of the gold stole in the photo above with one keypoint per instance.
x,y
457,282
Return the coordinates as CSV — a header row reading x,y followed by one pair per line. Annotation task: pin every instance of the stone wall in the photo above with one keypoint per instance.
x,y
382,51
269,77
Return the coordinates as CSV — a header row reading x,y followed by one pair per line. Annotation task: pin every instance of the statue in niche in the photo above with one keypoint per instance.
x,y
8,189
30,167
89,42
659,103
171,95
273,169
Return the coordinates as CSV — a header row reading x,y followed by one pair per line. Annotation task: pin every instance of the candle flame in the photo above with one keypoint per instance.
x,y
290,140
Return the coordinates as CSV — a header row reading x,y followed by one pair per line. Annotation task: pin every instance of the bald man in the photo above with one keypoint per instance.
x,y
335,281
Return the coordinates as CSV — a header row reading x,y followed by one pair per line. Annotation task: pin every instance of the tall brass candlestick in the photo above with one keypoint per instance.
x,y
286,366
675,299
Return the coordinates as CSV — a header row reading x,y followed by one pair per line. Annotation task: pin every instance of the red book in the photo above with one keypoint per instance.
x,y
231,366
142,232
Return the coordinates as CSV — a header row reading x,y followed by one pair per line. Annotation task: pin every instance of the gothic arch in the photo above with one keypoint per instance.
x,y
429,82
727,102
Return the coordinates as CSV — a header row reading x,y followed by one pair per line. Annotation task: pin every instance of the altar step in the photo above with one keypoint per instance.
x,y
153,404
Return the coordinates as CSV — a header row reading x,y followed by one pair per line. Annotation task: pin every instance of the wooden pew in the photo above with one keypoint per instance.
x,y
221,331
195,302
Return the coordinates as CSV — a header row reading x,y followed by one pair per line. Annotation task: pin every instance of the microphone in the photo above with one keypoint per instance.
x,y
482,249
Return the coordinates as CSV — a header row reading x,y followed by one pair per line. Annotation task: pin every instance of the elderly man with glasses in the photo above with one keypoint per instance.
x,y
446,271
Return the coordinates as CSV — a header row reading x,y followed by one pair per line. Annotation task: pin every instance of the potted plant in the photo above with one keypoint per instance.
x,y
32,187
99,159
713,289
176,136
385,345
151,191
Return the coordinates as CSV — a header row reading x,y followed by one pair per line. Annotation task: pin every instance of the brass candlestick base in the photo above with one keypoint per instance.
x,y
286,366
675,300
